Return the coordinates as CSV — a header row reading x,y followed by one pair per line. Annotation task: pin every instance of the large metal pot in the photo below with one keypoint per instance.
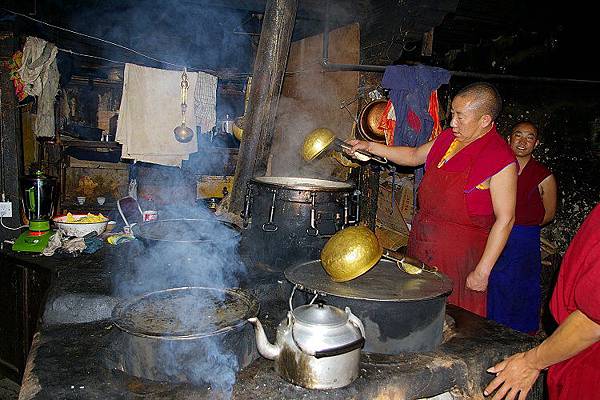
x,y
185,334
289,219
401,312
317,347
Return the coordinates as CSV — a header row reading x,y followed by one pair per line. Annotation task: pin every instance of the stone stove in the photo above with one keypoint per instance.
x,y
69,356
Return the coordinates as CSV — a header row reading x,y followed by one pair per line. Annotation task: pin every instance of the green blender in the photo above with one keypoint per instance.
x,y
38,193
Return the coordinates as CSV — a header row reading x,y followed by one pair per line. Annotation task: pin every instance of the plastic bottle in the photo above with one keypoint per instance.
x,y
150,212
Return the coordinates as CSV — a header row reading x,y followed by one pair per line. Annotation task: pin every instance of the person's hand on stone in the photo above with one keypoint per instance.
x,y
514,377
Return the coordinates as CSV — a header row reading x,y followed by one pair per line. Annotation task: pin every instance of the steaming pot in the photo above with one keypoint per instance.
x,y
317,347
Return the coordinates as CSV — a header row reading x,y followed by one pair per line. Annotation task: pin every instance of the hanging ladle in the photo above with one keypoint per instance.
x,y
183,134
320,139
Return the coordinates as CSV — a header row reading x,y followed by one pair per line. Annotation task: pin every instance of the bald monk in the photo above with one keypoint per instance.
x,y
466,200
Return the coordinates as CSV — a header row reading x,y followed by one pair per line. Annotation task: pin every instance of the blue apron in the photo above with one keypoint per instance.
x,y
514,288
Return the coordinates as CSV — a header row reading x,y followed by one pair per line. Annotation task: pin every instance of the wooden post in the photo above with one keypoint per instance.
x,y
267,79
10,133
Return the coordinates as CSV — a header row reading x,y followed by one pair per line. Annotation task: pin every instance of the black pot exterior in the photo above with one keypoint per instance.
x,y
287,236
398,327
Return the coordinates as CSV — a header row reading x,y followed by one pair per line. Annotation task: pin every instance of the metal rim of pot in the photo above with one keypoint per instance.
x,y
299,183
124,323
312,276
143,232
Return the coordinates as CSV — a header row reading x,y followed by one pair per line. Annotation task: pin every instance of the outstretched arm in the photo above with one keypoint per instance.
x,y
401,155
517,374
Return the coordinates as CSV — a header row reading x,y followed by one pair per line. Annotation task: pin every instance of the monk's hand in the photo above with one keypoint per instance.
x,y
514,377
477,281
357,145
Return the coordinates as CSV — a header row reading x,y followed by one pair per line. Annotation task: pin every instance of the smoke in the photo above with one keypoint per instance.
x,y
197,251
179,32
312,99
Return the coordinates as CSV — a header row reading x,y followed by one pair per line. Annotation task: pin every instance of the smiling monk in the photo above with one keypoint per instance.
x,y
514,294
466,200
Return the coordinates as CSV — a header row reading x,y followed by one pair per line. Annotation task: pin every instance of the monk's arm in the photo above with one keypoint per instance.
x,y
548,192
401,155
520,371
503,189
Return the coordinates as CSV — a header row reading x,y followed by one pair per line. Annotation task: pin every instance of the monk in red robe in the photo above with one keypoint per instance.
x,y
572,352
466,200
514,290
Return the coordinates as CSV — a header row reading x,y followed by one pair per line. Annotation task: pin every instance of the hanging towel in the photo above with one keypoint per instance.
x,y
39,74
411,87
151,109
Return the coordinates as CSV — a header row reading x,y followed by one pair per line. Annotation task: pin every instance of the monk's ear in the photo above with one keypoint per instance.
x,y
486,119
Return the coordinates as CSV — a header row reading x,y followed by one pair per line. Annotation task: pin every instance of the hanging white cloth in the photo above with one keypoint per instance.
x,y
151,109
39,73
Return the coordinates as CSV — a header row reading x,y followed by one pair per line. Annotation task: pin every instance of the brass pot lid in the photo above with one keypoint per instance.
x,y
238,128
316,142
384,282
368,125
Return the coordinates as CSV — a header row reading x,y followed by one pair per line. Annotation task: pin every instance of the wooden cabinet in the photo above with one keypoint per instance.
x,y
23,289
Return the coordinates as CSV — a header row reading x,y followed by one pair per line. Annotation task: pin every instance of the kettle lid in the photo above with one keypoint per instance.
x,y
320,315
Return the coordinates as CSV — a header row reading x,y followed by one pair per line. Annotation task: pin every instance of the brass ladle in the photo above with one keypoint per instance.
x,y
320,139
353,251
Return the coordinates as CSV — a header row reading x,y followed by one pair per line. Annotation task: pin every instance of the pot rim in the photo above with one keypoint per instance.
x,y
309,184
252,303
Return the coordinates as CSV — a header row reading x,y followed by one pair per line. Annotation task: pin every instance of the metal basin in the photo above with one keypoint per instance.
x,y
193,335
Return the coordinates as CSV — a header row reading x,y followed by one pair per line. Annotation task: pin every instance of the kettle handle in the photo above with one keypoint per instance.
x,y
296,286
334,351
357,344
354,320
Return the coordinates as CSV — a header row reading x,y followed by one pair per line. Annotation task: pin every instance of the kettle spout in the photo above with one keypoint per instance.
x,y
265,348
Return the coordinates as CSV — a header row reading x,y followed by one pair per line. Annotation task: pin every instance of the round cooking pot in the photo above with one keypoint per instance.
x,y
185,231
368,121
184,334
401,312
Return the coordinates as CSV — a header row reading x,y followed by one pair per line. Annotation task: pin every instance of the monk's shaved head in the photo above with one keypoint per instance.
x,y
484,97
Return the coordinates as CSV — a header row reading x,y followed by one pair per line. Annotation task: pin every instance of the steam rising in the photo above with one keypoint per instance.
x,y
170,265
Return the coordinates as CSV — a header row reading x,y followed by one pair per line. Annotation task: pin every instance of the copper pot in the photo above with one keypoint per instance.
x,y
368,121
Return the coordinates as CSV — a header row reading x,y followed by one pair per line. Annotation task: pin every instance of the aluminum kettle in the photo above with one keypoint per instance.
x,y
317,346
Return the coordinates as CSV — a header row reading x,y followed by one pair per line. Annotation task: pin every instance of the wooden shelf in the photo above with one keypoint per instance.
x,y
84,80
89,143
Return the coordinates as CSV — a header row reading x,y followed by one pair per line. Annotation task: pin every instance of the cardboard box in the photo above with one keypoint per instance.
x,y
213,186
395,213
390,239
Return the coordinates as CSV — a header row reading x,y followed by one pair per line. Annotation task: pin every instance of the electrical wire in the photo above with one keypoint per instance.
x,y
192,69
12,229
91,56
95,38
